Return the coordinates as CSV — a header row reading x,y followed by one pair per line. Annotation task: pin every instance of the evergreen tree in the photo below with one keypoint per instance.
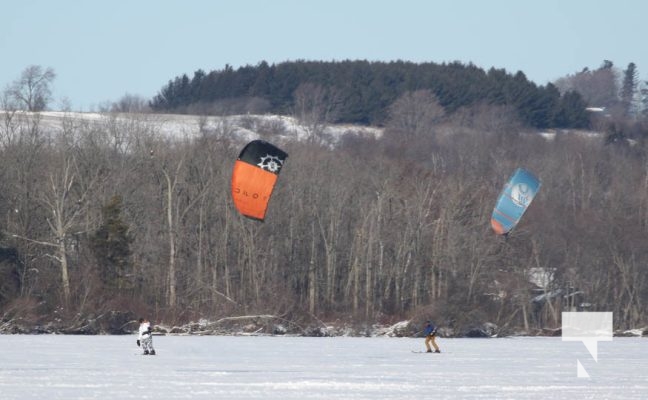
x,y
261,85
184,91
110,245
644,98
629,88
366,89
161,101
571,112
196,86
9,274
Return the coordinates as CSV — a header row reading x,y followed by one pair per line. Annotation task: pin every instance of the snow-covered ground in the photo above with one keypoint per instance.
x,y
244,127
239,367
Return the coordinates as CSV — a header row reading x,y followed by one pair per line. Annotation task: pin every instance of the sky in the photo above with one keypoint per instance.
x,y
102,50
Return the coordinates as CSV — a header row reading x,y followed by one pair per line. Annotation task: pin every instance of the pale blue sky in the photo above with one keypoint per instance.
x,y
102,50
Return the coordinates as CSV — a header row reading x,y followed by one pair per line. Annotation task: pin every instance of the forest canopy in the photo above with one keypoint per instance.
x,y
362,91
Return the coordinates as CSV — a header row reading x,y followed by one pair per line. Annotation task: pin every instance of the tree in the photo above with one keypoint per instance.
x,y
9,274
65,199
179,199
32,89
111,247
571,112
315,107
130,103
629,88
643,90
414,113
381,227
598,88
365,90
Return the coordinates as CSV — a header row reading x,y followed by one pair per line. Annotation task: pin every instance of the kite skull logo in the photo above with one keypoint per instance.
x,y
521,194
271,163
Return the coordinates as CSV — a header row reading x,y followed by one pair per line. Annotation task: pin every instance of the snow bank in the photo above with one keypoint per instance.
x,y
242,127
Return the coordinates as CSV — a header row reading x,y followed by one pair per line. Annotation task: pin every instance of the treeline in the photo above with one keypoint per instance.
x,y
361,91
112,215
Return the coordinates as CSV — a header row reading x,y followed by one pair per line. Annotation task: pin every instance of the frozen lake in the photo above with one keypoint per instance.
x,y
51,367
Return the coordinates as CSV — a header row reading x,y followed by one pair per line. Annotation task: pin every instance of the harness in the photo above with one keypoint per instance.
x,y
147,333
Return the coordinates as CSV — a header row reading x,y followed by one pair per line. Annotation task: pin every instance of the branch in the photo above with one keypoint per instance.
x,y
54,257
240,317
318,320
224,295
32,240
262,316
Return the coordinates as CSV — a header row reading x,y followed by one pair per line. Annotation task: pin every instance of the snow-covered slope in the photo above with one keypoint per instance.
x,y
244,127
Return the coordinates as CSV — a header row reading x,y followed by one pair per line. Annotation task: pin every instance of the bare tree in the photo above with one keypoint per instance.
x,y
316,106
599,87
180,198
65,199
358,231
414,113
130,103
10,123
32,89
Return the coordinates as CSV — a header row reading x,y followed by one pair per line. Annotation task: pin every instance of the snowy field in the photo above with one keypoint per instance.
x,y
244,127
216,367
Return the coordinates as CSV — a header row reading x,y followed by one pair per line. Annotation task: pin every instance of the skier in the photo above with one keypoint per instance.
x,y
430,336
145,339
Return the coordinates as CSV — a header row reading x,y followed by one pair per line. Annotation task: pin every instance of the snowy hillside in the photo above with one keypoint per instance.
x,y
244,127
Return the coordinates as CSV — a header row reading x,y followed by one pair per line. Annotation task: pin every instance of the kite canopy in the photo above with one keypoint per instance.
x,y
254,177
513,201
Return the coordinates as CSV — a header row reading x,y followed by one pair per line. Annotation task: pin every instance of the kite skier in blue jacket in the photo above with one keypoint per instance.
x,y
430,337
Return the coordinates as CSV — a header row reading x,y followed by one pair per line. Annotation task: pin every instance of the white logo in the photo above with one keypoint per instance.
x,y
270,163
589,328
521,194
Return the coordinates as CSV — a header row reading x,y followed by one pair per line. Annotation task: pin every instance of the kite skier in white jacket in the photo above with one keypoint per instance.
x,y
145,338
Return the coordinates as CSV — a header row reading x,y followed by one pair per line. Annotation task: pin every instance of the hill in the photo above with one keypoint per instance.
x,y
361,92
236,127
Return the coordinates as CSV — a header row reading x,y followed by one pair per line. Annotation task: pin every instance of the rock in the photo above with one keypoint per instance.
x,y
178,330
316,332
490,328
445,332
117,322
629,333
551,332
476,333
487,330
401,329
279,330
